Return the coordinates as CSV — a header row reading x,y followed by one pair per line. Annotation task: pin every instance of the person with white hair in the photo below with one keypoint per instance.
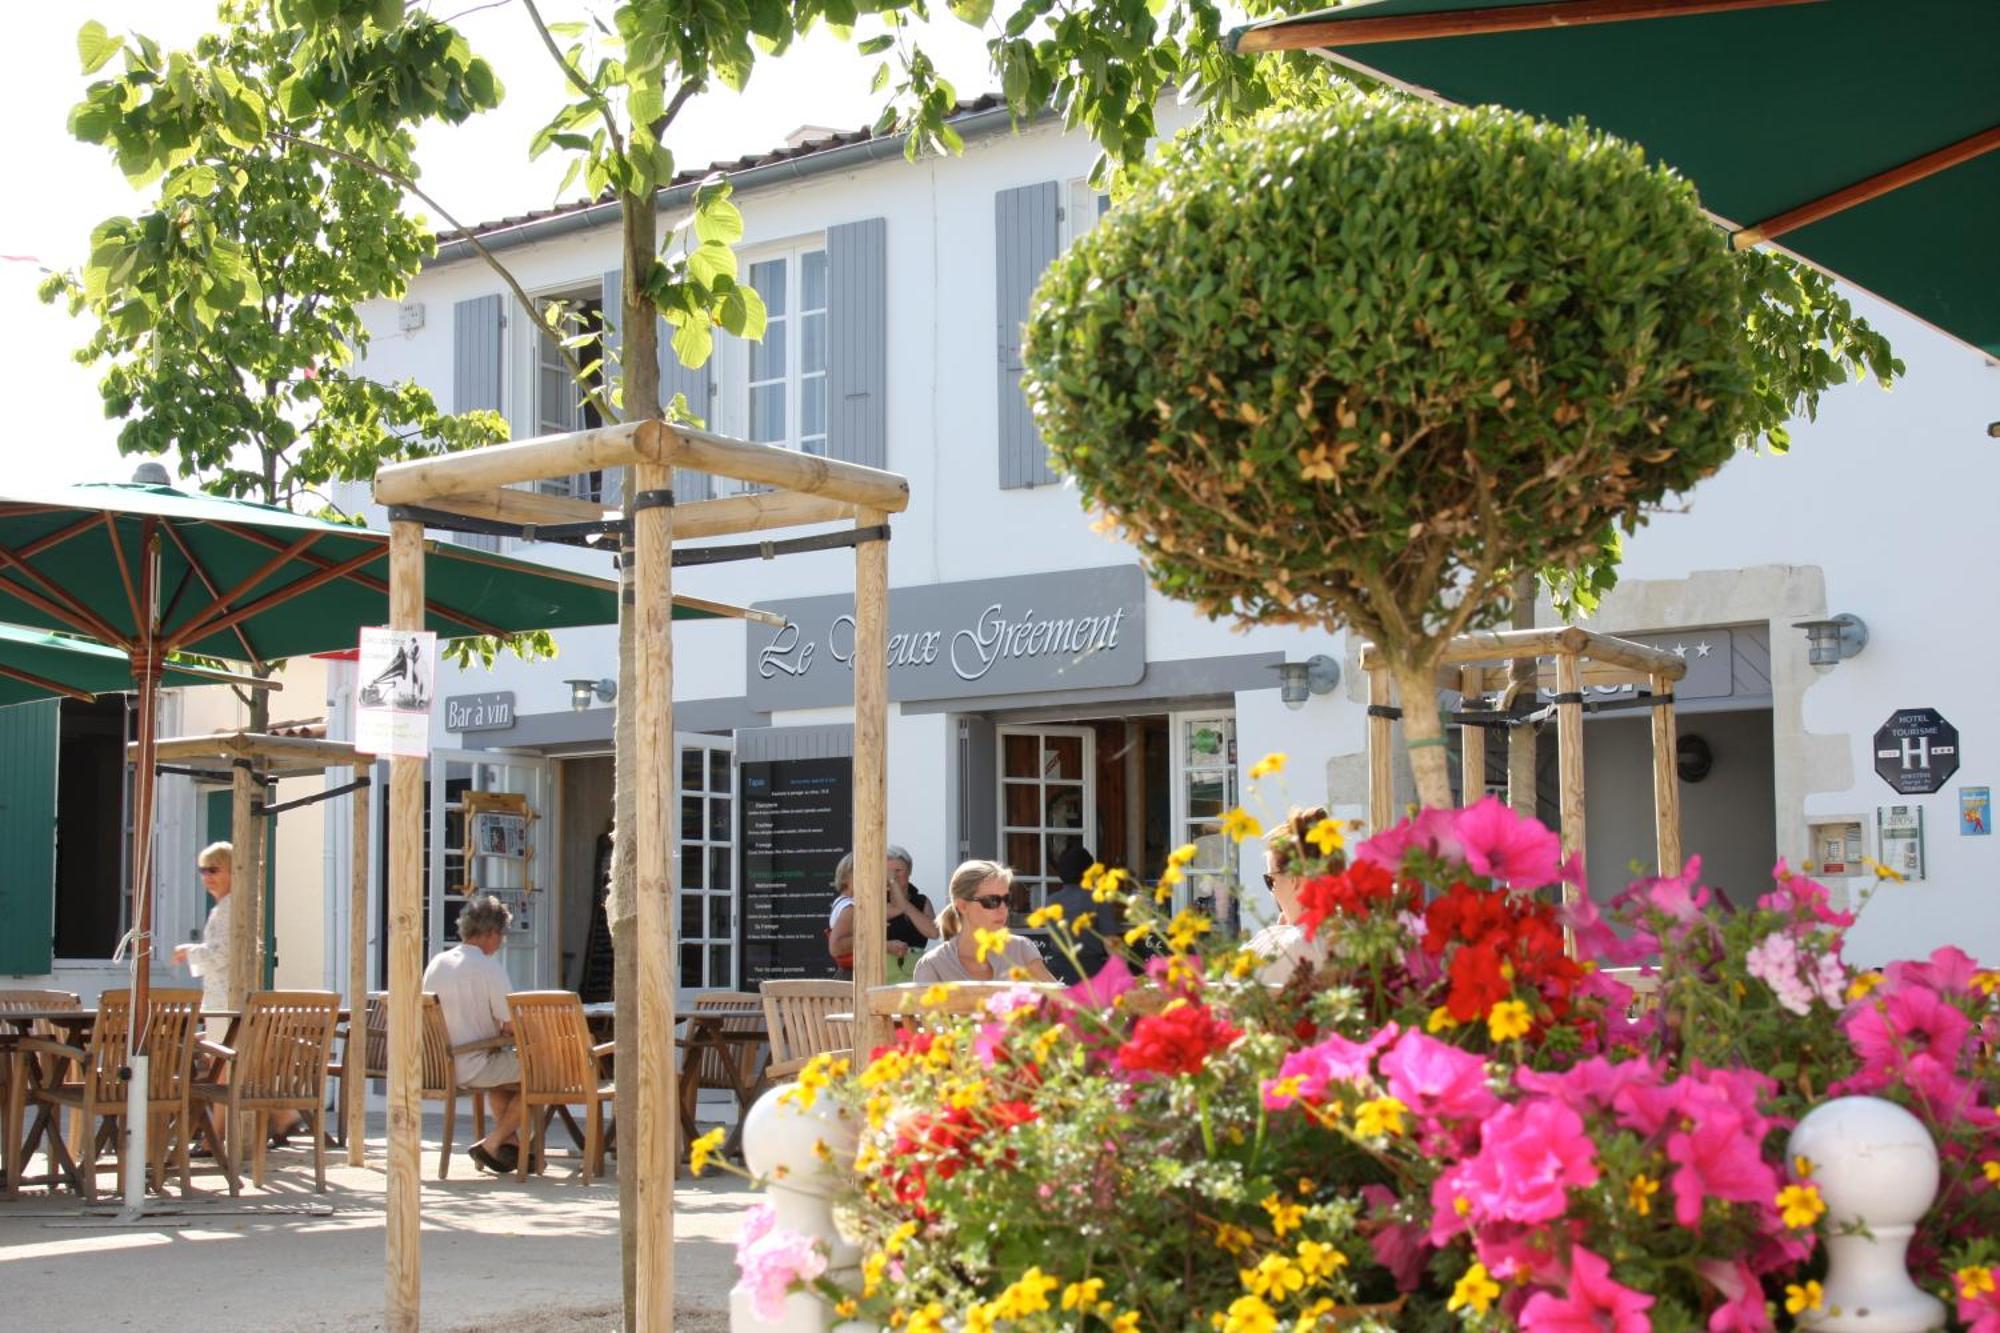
x,y
911,925
471,984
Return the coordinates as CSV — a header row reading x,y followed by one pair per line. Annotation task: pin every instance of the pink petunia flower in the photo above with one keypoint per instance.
x,y
1437,1081
1593,1303
1906,1019
1743,1309
1507,847
1531,1154
1716,1147
1334,1060
772,1264
1432,830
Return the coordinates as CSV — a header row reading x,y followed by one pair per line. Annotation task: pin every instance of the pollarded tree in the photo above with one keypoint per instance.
x,y
1357,366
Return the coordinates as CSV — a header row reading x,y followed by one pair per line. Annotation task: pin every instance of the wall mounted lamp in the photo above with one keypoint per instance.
x,y
582,692
1299,681
1833,640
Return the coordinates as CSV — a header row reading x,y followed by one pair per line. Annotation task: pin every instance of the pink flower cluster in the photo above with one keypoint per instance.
x,y
1797,977
772,1261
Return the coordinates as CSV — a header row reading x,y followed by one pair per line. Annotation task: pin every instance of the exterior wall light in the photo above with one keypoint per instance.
x,y
1299,681
582,692
1833,640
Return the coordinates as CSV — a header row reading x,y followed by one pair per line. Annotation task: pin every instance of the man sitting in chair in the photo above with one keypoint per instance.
x,y
471,985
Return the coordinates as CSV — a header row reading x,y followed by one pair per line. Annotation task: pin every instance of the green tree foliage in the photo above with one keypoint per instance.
x,y
1357,366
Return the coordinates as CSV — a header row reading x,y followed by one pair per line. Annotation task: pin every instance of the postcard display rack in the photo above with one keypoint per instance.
x,y
496,856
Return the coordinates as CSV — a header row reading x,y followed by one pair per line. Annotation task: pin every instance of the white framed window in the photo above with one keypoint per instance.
x,y
1203,755
1048,799
774,391
705,871
1081,207
560,405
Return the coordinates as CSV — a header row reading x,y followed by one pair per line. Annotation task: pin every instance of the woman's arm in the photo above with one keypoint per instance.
x,y
840,939
1033,965
917,909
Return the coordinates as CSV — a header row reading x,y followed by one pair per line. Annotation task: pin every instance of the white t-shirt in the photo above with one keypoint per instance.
x,y
1288,948
471,986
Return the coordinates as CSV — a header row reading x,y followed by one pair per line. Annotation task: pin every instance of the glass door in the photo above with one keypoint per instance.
x,y
1048,801
497,851
705,863
1204,764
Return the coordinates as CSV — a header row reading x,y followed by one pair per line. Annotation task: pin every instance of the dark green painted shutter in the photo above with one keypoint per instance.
x,y
28,837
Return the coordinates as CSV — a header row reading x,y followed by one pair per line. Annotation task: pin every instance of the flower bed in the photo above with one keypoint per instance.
x,y
1449,1122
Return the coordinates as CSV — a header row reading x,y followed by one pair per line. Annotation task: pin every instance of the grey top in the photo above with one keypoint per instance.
x,y
942,963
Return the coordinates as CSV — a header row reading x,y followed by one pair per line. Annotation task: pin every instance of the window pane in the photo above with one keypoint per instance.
x,y
812,343
1065,807
690,769
1024,853
718,819
1064,758
718,965
691,978
1022,803
691,916
767,414
767,354
812,406
718,770
691,867
1206,798
690,818
718,916
1021,753
768,278
719,878
812,268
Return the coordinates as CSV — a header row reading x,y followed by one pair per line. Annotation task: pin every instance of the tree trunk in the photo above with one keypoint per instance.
x,y
1521,757
1423,731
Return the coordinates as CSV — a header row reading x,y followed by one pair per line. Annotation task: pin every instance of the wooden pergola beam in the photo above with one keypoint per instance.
x,y
304,752
768,465
1507,644
1874,187
757,513
507,505
1308,34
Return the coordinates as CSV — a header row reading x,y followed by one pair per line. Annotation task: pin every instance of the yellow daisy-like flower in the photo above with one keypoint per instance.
x,y
1247,1314
1326,836
1800,1206
1126,1322
1164,892
872,1269
1233,1239
1476,1291
1885,872
1285,1216
1639,1194
846,1307
981,1319
1320,1261
1974,1282
1309,1317
1183,855
1240,824
1987,982
991,941
1109,885
929,1319
1084,921
1379,1117
1082,1295
1509,1019
1042,916
1804,1166
706,1147
1799,1299
1138,933
937,994
1991,1170
1440,1021
1863,983
1028,1295
1275,1276
1269,764
901,1236
818,1075
1306,1183
1187,927
1093,875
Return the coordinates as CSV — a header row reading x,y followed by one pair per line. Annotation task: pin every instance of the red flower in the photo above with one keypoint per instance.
x,y
1353,892
1175,1041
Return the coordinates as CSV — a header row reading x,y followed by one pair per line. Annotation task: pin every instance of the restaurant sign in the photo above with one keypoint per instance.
x,y
493,711
1080,629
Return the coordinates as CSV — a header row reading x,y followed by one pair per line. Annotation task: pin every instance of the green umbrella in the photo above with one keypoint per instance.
x,y
1857,135
37,665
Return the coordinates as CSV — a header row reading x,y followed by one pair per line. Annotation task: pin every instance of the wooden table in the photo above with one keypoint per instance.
x,y
710,1030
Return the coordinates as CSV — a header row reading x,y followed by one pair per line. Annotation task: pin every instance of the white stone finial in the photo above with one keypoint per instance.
x,y
800,1153
1875,1166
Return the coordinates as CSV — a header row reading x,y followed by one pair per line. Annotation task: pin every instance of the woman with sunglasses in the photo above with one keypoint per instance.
x,y
1284,941
981,894
209,959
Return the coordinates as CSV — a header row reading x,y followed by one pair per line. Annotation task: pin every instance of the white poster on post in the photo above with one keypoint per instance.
x,y
392,715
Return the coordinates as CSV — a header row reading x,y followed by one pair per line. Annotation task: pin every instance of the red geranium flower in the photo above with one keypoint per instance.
x,y
1176,1041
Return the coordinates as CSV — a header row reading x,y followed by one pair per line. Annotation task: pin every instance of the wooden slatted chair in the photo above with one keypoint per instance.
x,y
797,1017
372,1051
746,1015
28,1001
560,1068
277,1064
92,1089
440,1074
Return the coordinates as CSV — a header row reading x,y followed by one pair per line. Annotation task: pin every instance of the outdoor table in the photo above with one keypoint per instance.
x,y
707,1032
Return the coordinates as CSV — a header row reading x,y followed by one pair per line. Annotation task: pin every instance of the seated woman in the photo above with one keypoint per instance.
x,y
981,892
1285,942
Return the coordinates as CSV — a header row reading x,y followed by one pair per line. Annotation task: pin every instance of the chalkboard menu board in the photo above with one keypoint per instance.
x,y
798,818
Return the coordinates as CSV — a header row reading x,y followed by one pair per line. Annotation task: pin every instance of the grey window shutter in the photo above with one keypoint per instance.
x,y
613,298
857,300
1026,239
697,386
478,358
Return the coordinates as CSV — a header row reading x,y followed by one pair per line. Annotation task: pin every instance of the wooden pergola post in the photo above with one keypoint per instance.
x,y
357,973
1666,777
1381,793
1569,754
650,1057
404,1268
243,883
1471,742
871,778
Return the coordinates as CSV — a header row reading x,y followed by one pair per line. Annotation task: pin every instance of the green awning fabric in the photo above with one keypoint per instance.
x,y
1765,110
30,660
79,547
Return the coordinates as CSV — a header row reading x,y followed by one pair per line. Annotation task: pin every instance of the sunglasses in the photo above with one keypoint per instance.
x,y
991,901
1270,881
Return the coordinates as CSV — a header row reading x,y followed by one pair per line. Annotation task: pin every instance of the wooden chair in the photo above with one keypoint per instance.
x,y
560,1068
277,1064
94,1092
797,1016
746,1015
440,1072
25,1001
371,1049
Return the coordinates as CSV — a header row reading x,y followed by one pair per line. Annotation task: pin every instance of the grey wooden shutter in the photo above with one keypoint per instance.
x,y
1026,239
478,365
698,386
28,740
857,261
613,298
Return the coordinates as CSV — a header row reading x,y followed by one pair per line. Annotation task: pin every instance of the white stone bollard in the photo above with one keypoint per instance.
x,y
782,1146
1875,1165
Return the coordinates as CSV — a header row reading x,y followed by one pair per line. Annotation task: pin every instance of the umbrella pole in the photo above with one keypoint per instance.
x,y
146,667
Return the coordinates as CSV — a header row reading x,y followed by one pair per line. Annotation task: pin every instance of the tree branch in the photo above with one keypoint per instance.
x,y
575,76
527,302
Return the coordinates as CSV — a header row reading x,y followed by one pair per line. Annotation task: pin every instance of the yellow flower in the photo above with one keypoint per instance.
x,y
705,1147
819,1074
1306,1185
1028,1295
1128,1322
900,1237
1183,855
846,1307
1799,1299
1509,1019
1991,1170
1320,1261
1187,927
1325,835
937,994
1082,1295
981,1318
1863,983
1233,1239
1247,1314
872,1269
1138,933
930,1319
1639,1194
1987,982
1041,916
1309,1317
1269,764
1084,921
1804,1166
1975,1282
1475,1291
1440,1021
1240,824
1284,1216
1275,1276
1378,1117
991,941
1800,1205
1886,872
1109,886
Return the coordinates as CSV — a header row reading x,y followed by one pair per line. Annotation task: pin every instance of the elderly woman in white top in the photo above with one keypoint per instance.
x,y
209,959
981,895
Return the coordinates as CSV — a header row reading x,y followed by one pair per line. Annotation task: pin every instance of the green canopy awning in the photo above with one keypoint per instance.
x,y
38,665
1770,107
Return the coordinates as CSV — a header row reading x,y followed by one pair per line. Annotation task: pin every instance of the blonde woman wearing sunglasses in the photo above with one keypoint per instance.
x,y
981,894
